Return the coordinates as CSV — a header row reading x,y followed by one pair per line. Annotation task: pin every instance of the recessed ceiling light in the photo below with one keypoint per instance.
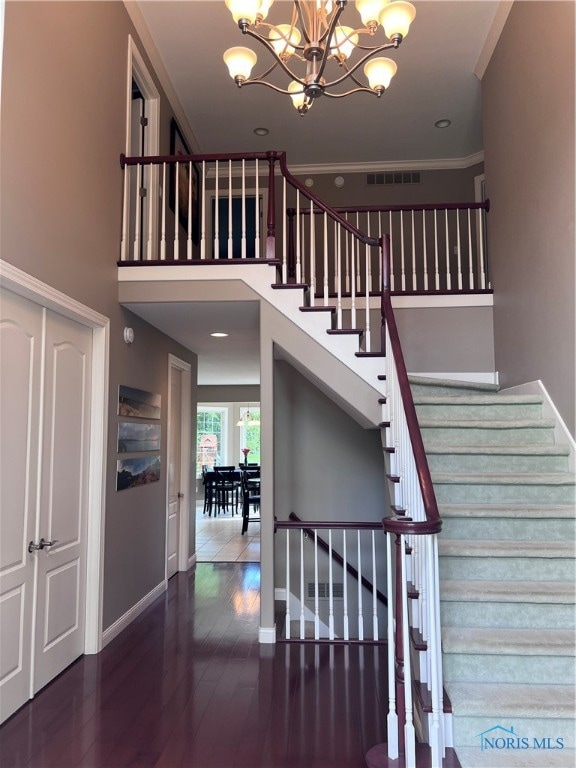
x,y
261,131
444,123
218,335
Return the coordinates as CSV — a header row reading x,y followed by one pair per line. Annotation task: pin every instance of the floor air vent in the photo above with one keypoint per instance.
x,y
396,177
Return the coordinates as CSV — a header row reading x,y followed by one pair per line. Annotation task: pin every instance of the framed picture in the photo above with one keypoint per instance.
x,y
134,436
133,472
178,146
138,403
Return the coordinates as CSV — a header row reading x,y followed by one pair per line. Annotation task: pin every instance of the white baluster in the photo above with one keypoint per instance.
x,y
347,264
325,278
124,245
471,275
409,734
288,618
298,255
436,272
316,604
374,592
459,247
243,241
284,223
230,232
360,612
257,214
345,586
163,222
348,237
330,588
402,253
437,736
176,252
483,275
425,250
312,256
203,204
217,214
413,234
367,339
390,220
302,616
392,718
138,218
357,259
338,278
189,242
151,189
448,270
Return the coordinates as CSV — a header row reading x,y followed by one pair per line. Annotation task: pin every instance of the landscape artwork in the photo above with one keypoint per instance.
x,y
135,436
137,402
133,472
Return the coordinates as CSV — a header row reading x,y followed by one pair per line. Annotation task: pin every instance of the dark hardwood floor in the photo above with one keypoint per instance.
x,y
187,684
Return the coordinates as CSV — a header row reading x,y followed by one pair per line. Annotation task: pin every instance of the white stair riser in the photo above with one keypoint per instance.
x,y
447,435
511,615
456,493
518,668
507,568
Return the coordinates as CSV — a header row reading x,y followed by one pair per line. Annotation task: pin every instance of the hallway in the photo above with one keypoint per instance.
x,y
187,684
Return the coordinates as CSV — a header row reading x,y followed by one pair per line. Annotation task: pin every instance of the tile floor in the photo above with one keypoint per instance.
x,y
219,539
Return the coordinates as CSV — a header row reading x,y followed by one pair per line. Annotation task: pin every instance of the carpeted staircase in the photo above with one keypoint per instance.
x,y
507,567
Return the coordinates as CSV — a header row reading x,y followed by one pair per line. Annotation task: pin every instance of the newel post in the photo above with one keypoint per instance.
x,y
271,213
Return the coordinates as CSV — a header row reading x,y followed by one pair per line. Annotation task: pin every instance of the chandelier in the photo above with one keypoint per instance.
x,y
314,44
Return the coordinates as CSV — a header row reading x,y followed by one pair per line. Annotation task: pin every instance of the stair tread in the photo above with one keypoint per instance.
x,y
508,510
504,641
501,450
496,399
488,423
514,699
511,548
552,592
413,379
506,478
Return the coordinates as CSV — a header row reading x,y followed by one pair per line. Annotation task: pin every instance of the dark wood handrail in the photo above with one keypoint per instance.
x,y
433,523
308,528
170,159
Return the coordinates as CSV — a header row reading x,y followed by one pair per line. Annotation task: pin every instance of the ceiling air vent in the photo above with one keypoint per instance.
x,y
396,177
324,590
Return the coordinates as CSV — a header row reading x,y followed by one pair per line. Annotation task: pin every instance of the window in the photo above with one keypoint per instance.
x,y
211,435
250,433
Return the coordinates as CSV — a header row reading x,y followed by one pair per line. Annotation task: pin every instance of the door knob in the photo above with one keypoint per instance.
x,y
42,544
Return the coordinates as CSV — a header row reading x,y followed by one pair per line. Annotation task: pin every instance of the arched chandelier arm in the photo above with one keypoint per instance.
x,y
360,89
363,60
328,37
277,60
257,81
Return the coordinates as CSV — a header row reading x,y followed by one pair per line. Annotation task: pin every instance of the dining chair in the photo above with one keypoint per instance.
x,y
250,497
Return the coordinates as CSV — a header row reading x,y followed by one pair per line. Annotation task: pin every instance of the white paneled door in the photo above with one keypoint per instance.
x,y
44,412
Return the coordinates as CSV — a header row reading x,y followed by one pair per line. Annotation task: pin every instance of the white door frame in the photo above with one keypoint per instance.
x,y
23,284
185,479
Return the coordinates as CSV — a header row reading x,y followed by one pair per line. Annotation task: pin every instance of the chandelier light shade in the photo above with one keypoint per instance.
x,y
318,54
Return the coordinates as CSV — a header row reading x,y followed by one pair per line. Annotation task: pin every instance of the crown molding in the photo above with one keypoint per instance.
x,y
454,163
504,8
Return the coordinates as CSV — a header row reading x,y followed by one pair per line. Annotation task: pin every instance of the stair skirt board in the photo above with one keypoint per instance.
x,y
507,499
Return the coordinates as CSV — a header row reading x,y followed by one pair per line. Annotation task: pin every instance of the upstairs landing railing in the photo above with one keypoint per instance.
x,y
238,208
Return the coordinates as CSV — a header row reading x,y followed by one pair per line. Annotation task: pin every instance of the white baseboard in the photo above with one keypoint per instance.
x,y
267,635
280,594
485,377
126,619
549,411
192,561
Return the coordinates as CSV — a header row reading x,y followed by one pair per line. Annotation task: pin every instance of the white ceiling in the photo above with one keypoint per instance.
x,y
435,80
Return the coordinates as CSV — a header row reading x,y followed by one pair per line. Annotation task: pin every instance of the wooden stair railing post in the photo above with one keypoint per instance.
x,y
291,216
271,213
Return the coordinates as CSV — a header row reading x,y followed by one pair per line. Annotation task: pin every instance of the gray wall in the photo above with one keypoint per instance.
x,y
63,128
218,393
528,100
